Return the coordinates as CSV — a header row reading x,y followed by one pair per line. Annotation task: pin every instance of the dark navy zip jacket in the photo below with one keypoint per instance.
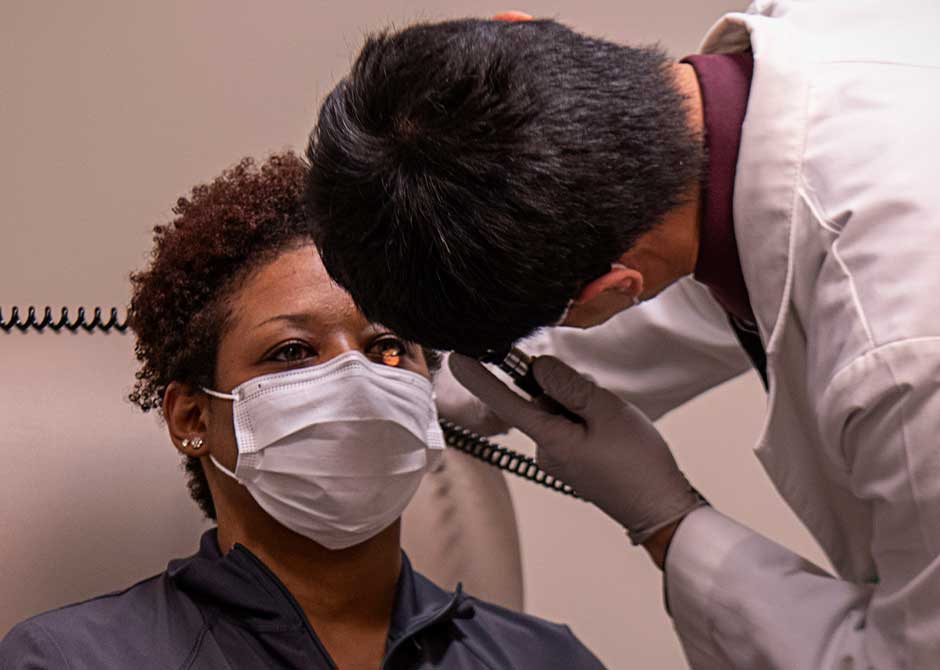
x,y
231,612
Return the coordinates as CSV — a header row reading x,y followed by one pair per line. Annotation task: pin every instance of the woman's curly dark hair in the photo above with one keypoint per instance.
x,y
179,309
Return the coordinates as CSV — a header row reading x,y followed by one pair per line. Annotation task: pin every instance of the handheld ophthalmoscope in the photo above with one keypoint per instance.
x,y
518,365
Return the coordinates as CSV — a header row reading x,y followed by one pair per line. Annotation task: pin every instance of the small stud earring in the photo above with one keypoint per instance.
x,y
196,443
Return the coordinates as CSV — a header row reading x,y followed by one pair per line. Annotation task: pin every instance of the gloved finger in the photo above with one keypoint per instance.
x,y
564,384
456,403
508,405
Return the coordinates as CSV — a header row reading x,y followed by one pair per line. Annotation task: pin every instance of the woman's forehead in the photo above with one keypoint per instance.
x,y
293,283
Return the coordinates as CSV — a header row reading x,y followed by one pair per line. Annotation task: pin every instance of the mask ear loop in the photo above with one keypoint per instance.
x,y
564,315
218,394
621,266
224,470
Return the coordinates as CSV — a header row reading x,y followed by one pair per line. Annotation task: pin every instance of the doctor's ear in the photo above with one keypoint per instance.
x,y
620,279
185,410
605,296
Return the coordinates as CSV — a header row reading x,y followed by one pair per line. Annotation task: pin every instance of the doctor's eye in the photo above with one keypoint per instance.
x,y
292,352
388,350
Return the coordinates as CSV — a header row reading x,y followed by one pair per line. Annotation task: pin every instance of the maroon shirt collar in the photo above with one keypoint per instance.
x,y
725,82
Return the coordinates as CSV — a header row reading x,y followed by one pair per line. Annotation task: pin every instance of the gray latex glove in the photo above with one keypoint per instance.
x,y
617,459
456,403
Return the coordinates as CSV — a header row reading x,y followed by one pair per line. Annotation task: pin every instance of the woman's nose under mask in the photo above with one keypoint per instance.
x,y
335,451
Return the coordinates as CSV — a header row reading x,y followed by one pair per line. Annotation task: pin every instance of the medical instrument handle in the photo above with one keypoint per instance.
x,y
518,365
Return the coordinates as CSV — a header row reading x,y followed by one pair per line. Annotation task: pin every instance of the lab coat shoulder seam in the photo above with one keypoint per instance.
x,y
824,222
794,186
807,193
903,434
865,62
856,299
924,536
878,350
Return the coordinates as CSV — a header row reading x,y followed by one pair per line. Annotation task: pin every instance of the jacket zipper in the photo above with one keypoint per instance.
x,y
418,627
407,635
293,603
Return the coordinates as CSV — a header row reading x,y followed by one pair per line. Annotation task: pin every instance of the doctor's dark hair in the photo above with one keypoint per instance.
x,y
469,177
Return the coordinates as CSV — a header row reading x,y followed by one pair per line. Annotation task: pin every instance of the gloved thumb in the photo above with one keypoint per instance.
x,y
564,384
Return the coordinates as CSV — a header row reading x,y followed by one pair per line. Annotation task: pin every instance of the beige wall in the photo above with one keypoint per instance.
x,y
111,109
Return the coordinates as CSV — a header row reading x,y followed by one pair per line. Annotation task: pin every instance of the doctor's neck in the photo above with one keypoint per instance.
x,y
669,251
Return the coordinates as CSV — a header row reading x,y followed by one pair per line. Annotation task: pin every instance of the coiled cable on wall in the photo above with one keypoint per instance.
x,y
65,321
456,437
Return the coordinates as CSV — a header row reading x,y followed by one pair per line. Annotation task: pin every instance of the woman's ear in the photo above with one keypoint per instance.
x,y
185,411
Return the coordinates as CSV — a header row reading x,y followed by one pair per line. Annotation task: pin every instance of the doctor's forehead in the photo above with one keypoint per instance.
x,y
293,284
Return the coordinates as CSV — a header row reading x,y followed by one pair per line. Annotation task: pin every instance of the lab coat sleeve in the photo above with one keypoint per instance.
x,y
739,600
656,355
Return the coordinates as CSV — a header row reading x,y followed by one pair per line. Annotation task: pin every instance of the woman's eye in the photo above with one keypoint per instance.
x,y
389,350
291,352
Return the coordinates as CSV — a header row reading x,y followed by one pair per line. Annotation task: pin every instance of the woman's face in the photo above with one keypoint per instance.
x,y
289,314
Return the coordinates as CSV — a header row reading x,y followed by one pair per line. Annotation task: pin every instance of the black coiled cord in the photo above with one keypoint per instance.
x,y
456,437
32,321
508,460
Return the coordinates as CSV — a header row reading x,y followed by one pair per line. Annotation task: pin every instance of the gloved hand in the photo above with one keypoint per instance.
x,y
617,459
456,403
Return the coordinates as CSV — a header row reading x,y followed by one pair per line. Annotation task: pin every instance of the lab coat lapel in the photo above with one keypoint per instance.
x,y
768,165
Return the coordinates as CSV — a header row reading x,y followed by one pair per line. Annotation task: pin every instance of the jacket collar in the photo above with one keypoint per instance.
x,y
240,586
420,603
769,161
235,584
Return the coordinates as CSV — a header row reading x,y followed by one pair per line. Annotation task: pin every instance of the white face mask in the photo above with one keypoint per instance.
x,y
335,451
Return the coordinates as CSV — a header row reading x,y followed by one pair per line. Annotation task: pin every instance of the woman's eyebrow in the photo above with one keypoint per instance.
x,y
297,319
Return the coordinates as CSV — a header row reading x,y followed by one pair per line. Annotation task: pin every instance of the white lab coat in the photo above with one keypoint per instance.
x,y
837,218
